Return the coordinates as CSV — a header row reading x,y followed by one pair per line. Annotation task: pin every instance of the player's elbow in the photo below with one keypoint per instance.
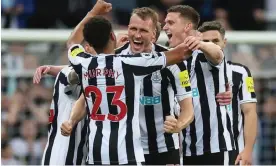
x,y
218,57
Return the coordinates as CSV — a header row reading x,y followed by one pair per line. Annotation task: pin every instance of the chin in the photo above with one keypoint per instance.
x,y
171,45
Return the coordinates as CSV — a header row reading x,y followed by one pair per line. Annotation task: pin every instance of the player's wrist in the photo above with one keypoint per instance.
x,y
72,122
92,13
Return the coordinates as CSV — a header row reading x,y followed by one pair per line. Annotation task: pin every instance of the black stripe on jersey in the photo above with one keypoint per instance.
x,y
120,49
71,148
184,145
149,116
73,48
114,126
182,67
168,73
130,93
139,70
222,143
140,55
189,65
159,48
82,142
165,100
84,55
61,79
78,70
97,144
237,79
205,109
253,94
225,72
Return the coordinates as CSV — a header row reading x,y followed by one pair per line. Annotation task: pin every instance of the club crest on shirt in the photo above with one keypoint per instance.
x,y
156,77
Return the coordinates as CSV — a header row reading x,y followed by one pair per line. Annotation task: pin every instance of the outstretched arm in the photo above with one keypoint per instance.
x,y
46,69
212,52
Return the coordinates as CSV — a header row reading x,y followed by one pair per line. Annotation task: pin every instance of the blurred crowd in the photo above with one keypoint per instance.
x,y
235,14
25,106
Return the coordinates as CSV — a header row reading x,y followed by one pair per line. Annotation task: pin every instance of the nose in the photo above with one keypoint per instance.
x,y
137,34
165,27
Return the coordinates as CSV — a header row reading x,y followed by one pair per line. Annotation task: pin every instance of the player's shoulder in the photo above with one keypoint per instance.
x,y
67,68
160,48
238,67
77,50
122,48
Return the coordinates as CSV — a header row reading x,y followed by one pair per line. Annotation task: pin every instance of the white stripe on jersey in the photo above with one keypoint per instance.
x,y
59,149
114,140
152,115
241,95
211,129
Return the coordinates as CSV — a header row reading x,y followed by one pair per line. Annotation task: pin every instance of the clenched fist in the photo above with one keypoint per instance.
x,y
101,7
170,125
66,128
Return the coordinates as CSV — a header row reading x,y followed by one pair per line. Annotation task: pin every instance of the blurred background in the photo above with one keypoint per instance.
x,y
25,106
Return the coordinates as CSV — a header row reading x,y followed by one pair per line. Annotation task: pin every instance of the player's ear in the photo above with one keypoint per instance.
x,y
188,27
112,36
224,42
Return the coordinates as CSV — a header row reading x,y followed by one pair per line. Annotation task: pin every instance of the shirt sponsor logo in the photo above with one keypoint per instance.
x,y
184,79
195,92
249,84
76,51
150,100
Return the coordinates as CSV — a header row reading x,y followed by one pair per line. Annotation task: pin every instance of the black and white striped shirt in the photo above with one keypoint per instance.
x,y
157,101
112,88
211,131
243,92
62,150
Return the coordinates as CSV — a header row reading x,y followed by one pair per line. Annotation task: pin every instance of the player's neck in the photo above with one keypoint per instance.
x,y
109,50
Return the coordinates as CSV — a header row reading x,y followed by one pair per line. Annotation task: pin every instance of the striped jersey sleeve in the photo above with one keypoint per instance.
x,y
246,92
144,63
140,64
181,82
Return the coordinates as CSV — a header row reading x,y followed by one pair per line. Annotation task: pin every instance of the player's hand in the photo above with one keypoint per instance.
x,y
225,98
66,128
192,42
170,125
101,7
244,158
40,71
122,39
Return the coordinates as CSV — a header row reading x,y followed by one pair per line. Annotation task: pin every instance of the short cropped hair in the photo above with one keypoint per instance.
x,y
212,25
97,32
146,13
158,30
186,12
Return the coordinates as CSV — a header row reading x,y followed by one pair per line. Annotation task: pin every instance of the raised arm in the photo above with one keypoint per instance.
x,y
183,51
100,8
